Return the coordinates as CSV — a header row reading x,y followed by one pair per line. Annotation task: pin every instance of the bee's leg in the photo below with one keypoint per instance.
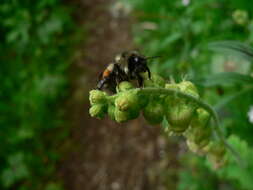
x,y
112,87
117,74
101,83
149,73
139,79
118,80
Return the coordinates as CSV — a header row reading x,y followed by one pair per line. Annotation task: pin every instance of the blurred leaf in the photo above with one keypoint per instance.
x,y
50,27
227,99
17,170
233,47
8,177
36,44
226,79
169,40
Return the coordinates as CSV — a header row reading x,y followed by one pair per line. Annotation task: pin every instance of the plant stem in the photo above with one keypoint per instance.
x,y
207,107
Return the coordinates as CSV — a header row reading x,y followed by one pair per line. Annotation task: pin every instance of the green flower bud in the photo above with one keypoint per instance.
x,y
154,112
200,137
123,116
240,17
158,80
199,132
201,150
216,154
97,97
127,101
97,110
179,115
124,86
180,112
189,88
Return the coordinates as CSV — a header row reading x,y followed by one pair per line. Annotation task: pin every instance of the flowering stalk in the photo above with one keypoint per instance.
x,y
179,103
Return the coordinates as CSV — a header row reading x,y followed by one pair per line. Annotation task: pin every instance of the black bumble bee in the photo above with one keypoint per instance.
x,y
133,64
127,66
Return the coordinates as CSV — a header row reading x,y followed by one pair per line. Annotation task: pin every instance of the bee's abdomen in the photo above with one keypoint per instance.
x,y
106,73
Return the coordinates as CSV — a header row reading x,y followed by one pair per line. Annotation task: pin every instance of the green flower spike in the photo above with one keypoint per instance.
x,y
179,103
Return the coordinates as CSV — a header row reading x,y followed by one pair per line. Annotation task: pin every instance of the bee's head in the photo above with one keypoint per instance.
x,y
129,57
136,58
122,57
118,58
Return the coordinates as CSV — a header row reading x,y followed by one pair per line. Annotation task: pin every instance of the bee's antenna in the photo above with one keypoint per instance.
x,y
154,57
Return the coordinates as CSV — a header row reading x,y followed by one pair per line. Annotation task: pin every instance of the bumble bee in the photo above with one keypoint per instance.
x,y
127,66
133,64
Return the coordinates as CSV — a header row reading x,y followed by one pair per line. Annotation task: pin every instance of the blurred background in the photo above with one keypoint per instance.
x,y
51,53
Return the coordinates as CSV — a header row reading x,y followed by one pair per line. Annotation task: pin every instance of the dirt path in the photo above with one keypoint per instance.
x,y
102,154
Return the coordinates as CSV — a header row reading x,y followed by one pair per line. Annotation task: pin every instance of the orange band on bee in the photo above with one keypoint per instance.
x,y
106,73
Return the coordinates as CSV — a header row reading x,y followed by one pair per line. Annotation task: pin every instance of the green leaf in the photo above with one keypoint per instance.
x,y
225,79
233,47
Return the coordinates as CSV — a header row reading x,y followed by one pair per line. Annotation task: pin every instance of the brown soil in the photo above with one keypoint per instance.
x,y
102,154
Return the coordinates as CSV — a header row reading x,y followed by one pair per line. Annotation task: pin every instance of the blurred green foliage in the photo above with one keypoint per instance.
x,y
35,52
180,32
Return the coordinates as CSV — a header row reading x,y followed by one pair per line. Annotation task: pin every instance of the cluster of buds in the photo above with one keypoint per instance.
x,y
184,116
